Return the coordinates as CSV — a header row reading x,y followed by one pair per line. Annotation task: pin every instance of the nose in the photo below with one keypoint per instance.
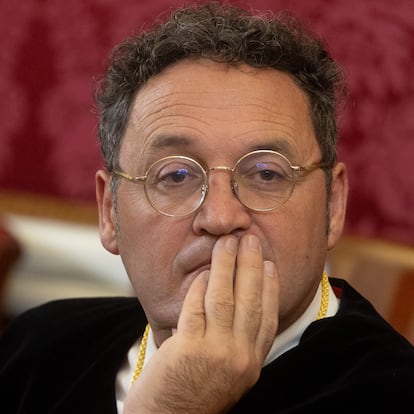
x,y
221,213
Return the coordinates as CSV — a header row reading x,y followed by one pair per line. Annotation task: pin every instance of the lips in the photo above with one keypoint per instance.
x,y
195,258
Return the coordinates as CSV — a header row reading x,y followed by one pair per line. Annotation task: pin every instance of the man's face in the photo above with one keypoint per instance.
x,y
215,114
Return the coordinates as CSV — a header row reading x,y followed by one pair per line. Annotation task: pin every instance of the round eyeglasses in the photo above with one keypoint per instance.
x,y
261,180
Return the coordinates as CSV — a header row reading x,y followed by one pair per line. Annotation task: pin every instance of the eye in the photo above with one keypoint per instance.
x,y
267,174
263,173
175,174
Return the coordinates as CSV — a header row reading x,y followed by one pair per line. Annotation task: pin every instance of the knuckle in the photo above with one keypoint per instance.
x,y
222,310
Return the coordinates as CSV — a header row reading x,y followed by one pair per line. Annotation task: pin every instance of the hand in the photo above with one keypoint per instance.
x,y
227,325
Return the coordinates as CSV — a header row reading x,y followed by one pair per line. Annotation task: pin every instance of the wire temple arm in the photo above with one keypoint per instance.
x,y
130,177
310,168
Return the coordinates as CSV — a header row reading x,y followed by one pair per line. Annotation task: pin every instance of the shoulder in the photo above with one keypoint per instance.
x,y
66,310
359,321
355,356
57,321
360,337
79,310
66,350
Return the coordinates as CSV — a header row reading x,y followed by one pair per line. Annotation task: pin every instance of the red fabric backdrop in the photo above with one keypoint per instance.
x,y
50,52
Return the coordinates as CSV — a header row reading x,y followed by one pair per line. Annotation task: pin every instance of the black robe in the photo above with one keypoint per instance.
x,y
63,357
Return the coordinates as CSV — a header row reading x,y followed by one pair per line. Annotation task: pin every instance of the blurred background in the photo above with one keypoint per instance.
x,y
50,54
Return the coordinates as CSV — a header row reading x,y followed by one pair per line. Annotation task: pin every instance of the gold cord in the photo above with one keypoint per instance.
x,y
141,354
323,309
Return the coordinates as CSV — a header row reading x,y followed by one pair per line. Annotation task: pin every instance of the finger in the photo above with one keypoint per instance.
x,y
248,288
192,318
270,313
219,301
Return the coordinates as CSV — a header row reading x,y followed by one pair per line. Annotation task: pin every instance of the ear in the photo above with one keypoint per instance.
x,y
104,198
337,203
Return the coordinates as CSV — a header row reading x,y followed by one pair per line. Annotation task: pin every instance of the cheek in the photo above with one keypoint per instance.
x,y
143,245
297,235
299,227
148,243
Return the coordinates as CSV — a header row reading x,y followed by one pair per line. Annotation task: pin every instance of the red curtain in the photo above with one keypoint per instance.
x,y
50,52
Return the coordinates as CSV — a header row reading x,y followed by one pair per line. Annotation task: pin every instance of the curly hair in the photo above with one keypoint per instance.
x,y
227,34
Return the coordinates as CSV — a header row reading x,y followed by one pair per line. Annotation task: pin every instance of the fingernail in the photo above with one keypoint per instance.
x,y
231,245
253,243
269,268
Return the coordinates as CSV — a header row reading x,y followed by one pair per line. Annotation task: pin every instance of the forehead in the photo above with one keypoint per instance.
x,y
208,106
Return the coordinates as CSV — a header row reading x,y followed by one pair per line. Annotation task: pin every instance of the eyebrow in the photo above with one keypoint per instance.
x,y
181,141
277,145
165,141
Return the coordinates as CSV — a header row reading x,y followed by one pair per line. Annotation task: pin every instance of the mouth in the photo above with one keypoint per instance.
x,y
199,269
195,258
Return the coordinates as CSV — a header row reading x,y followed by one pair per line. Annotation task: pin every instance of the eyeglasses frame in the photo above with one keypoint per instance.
x,y
296,169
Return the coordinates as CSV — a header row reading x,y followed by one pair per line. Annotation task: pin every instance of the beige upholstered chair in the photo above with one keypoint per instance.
x,y
10,251
384,272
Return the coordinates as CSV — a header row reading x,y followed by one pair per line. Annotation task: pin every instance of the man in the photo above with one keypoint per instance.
x,y
222,194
